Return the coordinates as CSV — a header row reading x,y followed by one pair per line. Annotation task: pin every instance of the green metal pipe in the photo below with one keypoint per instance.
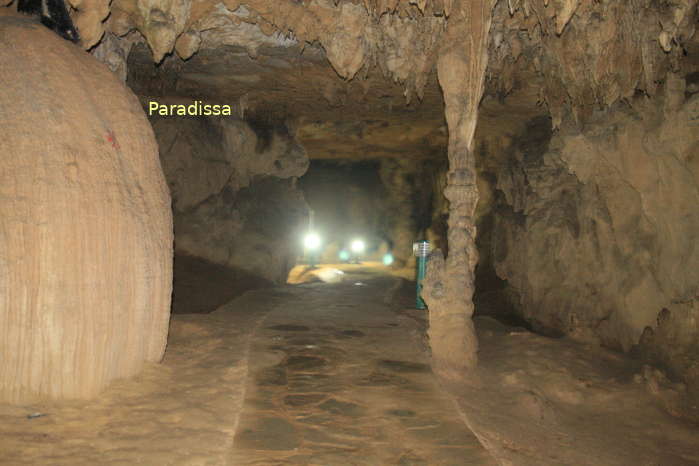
x,y
421,268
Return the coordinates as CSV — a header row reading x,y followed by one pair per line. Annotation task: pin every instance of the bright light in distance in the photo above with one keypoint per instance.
x,y
357,246
344,255
388,259
311,241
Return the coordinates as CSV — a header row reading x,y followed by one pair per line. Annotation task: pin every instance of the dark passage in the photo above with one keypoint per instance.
x,y
200,286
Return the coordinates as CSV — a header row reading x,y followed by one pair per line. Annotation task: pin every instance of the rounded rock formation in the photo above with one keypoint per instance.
x,y
86,227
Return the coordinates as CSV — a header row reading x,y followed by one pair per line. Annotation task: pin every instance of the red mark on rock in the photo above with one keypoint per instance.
x,y
111,137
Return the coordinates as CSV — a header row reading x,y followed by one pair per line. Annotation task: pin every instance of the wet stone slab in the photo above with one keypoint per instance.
x,y
411,459
349,390
305,341
304,383
382,379
419,422
289,328
446,433
343,408
320,435
304,363
327,352
270,433
404,366
273,376
303,400
316,419
401,412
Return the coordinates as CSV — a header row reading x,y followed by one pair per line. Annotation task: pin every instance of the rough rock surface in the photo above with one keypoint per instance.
x,y
331,118
598,230
86,230
234,196
449,284
539,401
408,186
584,53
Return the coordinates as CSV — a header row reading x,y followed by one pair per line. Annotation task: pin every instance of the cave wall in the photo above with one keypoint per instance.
x,y
234,194
86,226
408,184
597,229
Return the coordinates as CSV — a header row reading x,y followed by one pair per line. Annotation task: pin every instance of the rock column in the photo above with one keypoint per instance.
x,y
449,285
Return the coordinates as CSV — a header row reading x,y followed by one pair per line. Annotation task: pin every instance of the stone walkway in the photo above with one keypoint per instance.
x,y
339,378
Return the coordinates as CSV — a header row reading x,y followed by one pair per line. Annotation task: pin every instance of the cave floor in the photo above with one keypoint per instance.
x,y
343,379
338,374
316,373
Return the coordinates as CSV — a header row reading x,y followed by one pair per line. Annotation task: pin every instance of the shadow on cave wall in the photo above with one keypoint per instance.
x,y
493,297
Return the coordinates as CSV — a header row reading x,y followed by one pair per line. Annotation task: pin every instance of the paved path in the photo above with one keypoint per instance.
x,y
339,378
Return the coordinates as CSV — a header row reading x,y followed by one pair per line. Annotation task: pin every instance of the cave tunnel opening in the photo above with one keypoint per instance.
x,y
248,187
211,237
345,200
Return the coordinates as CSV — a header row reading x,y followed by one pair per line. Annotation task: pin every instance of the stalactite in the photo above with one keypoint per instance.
x,y
450,283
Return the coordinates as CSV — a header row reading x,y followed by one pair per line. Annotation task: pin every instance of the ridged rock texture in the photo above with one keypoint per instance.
x,y
85,231
234,193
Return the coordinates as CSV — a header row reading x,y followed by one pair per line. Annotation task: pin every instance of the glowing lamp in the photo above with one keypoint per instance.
x,y
311,241
357,246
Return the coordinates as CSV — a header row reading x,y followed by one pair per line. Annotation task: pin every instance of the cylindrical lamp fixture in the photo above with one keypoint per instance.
x,y
421,250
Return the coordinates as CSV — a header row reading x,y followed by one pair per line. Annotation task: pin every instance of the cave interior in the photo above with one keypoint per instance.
x,y
547,150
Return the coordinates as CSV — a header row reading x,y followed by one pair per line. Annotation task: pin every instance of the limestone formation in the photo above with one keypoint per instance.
x,y
407,184
113,52
597,234
86,230
361,79
234,196
450,283
590,54
579,58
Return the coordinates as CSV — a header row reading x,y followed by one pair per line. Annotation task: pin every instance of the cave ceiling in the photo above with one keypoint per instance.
x,y
366,117
277,79
356,78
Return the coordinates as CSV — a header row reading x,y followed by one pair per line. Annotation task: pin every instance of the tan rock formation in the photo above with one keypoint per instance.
x,y
601,240
332,64
86,231
407,184
234,197
449,285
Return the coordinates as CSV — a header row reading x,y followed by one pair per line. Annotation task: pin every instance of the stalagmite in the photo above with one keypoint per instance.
x,y
86,229
450,284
